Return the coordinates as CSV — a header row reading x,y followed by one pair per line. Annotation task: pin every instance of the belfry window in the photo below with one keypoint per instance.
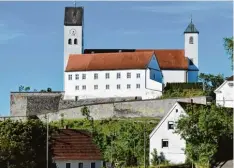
x,y
191,40
75,41
70,41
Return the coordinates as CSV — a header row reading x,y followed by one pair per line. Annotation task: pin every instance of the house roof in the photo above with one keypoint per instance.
x,y
73,144
230,78
108,61
170,58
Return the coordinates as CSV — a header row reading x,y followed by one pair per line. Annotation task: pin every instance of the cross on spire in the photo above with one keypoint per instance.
x,y
191,18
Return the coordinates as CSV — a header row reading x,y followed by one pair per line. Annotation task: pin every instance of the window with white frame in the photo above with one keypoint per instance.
x,y
170,125
128,86
128,75
93,165
107,87
95,76
118,86
95,87
68,165
77,76
138,86
118,76
80,165
77,87
176,110
69,77
84,87
83,76
138,75
107,75
165,143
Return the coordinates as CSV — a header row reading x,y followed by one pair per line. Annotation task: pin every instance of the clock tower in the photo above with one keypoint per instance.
x,y
73,32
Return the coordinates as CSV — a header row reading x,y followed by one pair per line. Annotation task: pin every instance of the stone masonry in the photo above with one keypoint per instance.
x,y
36,103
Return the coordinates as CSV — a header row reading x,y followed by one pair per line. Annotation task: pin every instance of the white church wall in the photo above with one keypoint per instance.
x,y
175,150
170,76
97,88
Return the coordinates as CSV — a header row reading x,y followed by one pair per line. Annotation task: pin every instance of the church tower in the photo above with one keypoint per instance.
x,y
73,32
191,43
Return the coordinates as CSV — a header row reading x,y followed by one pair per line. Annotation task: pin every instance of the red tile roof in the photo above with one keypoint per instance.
x,y
73,144
170,58
108,61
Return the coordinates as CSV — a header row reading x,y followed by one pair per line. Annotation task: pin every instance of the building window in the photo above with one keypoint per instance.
x,y
69,77
107,87
95,87
80,165
70,41
75,41
170,125
68,165
118,76
138,86
83,76
128,75
93,165
176,110
107,75
76,98
83,87
77,76
138,75
164,143
95,76
191,40
128,86
118,86
77,87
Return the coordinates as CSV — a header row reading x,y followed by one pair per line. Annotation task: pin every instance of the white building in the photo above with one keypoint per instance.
x,y
225,93
75,149
113,75
174,65
164,140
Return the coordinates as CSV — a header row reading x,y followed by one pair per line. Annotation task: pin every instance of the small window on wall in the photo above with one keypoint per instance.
x,y
191,40
165,143
93,165
170,125
75,41
68,165
70,41
80,165
69,77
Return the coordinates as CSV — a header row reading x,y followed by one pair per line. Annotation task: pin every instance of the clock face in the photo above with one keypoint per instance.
x,y
73,32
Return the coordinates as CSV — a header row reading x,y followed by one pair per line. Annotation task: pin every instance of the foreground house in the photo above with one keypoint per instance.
x,y
225,93
75,149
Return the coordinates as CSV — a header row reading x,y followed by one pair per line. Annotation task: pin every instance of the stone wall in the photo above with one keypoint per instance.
x,y
52,103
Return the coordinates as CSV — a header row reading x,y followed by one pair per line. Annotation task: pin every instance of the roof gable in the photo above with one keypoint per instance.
x,y
108,61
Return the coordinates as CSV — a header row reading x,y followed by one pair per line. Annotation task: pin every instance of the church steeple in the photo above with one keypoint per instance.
x,y
191,28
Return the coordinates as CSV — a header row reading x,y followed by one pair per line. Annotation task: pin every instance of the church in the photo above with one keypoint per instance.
x,y
108,73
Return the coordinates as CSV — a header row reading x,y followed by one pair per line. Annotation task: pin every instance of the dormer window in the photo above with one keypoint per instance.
x,y
191,40
70,41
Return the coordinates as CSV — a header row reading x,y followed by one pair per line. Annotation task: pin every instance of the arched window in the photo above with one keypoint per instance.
x,y
75,41
191,40
69,41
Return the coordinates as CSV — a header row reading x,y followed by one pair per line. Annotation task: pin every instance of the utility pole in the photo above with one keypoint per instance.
x,y
144,146
47,139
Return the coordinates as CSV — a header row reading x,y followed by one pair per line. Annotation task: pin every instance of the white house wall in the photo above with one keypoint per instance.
x,y
102,92
170,76
175,150
74,163
225,95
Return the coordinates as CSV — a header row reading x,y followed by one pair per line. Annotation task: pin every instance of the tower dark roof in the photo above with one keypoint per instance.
x,y
191,28
73,16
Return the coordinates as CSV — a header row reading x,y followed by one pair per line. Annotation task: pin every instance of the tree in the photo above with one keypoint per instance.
x,y
228,45
154,160
49,90
23,144
202,129
24,89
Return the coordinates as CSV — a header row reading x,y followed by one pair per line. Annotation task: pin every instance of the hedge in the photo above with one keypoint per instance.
x,y
182,86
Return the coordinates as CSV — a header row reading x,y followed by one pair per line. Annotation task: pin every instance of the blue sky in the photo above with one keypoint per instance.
x,y
31,36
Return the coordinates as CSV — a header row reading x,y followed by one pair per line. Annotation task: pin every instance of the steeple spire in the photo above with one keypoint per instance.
x,y
191,27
